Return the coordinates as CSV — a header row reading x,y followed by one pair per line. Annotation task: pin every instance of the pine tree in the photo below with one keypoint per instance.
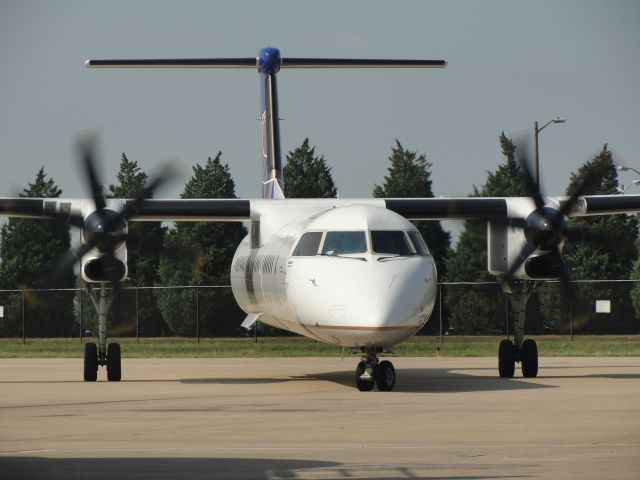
x,y
608,253
409,175
145,241
635,290
28,249
200,253
306,175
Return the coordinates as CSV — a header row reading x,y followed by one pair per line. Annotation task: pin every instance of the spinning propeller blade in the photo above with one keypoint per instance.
x,y
522,154
545,228
86,149
103,229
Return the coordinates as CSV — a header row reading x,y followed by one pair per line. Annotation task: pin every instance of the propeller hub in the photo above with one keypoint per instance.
x,y
105,230
546,228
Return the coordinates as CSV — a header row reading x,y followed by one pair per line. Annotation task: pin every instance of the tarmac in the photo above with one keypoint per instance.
x,y
302,418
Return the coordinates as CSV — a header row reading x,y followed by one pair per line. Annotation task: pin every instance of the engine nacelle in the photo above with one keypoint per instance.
x,y
546,266
545,228
504,244
97,268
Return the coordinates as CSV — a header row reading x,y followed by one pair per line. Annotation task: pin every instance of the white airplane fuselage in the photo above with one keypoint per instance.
x,y
357,298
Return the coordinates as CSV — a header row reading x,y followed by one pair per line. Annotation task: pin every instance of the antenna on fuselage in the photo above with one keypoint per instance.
x,y
269,62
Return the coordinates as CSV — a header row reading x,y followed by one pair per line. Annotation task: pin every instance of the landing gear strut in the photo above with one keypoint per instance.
x,y
370,372
102,355
520,350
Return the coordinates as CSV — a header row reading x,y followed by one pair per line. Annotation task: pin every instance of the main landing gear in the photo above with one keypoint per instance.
x,y
102,355
520,350
370,372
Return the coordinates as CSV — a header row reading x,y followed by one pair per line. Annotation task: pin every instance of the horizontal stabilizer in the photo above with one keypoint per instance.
x,y
289,62
251,320
252,62
245,62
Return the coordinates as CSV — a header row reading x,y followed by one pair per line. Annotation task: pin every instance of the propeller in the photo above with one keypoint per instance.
x,y
545,228
104,229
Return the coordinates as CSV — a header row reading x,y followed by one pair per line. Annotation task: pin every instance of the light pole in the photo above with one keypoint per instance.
x,y
622,168
622,188
536,158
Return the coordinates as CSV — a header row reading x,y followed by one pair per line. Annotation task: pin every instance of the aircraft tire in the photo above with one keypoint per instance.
x,y
529,358
364,385
90,362
385,376
114,370
506,359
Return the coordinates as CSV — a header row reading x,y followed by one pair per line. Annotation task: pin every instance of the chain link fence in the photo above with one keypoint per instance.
x,y
465,308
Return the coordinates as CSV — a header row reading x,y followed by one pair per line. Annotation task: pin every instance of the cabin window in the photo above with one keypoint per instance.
x,y
393,242
418,242
308,245
339,243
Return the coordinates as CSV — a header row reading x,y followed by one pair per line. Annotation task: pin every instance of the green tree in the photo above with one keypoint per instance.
x,y
145,242
306,175
609,252
29,249
635,290
409,175
479,309
200,253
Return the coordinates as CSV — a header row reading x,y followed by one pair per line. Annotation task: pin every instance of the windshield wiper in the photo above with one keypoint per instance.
x,y
338,255
396,255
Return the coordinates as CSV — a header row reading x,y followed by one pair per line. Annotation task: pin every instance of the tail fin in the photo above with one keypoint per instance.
x,y
269,63
272,183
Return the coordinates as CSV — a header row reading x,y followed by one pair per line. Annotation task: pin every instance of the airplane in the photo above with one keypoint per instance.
x,y
354,273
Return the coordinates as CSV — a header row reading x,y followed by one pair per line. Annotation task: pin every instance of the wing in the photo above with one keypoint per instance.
x,y
488,208
608,205
22,207
243,209
69,210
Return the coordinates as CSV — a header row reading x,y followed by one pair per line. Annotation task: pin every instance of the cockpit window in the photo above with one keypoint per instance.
x,y
393,242
418,242
308,245
339,243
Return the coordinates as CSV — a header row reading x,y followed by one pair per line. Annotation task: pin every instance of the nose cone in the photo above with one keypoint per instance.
x,y
397,298
355,303
396,303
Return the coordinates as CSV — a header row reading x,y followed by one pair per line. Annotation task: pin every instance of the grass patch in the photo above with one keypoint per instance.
x,y
452,346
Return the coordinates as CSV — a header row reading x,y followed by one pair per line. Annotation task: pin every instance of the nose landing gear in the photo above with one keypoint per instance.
x,y
370,372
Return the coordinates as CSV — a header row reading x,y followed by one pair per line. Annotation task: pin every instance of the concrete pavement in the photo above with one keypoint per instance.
x,y
303,418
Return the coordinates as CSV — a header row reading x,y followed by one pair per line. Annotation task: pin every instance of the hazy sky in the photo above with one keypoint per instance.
x,y
510,63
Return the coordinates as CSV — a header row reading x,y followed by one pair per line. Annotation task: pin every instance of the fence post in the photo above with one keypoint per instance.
x,y
198,313
137,318
571,318
440,308
24,334
81,332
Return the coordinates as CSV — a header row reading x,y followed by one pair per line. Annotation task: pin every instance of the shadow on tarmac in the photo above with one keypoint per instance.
x,y
412,380
34,468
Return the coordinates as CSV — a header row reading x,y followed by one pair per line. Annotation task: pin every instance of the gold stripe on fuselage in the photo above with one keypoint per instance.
x,y
360,328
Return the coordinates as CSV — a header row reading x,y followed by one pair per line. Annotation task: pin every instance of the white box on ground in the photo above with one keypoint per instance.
x,y
1,311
